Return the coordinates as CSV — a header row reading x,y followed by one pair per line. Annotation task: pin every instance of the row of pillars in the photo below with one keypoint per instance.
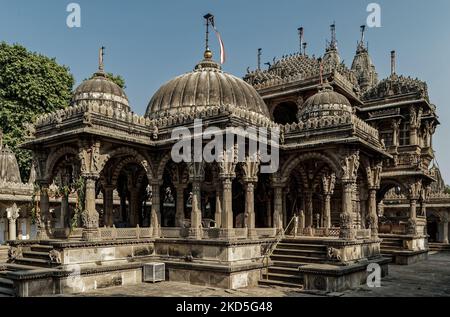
x,y
224,209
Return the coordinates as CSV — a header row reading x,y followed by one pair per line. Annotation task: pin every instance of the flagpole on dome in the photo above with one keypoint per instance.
x,y
208,54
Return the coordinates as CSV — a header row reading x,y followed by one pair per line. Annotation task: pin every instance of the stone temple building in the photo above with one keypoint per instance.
x,y
345,142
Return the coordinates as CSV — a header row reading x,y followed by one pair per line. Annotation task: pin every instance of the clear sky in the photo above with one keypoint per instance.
x,y
149,42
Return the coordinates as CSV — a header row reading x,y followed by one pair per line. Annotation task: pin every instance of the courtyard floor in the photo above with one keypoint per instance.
x,y
429,278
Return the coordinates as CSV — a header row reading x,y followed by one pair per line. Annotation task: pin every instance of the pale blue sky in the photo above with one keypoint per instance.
x,y
149,42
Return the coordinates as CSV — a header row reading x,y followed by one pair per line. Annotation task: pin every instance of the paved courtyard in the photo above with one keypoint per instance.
x,y
430,278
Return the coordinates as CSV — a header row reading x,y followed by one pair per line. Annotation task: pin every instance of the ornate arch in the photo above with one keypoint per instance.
x,y
118,168
162,165
56,155
388,184
134,157
295,160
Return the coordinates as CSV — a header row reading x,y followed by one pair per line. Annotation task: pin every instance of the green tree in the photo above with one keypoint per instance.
x,y
30,84
447,189
116,79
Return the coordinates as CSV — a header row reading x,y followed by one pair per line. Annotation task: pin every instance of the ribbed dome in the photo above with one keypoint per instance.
x,y
325,103
9,169
206,86
101,88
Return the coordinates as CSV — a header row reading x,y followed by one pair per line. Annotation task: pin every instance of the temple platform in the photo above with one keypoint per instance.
x,y
404,249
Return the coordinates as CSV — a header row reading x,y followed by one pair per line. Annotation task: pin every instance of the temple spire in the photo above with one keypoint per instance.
x,y
333,43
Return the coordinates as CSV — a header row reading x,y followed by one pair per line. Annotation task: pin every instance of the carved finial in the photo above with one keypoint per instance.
x,y
209,19
259,58
393,62
300,35
305,45
1,139
101,55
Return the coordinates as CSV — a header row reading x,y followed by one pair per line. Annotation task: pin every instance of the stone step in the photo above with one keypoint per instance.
x,y
298,258
7,291
288,264
36,255
41,248
287,278
33,262
279,283
283,270
300,252
299,246
19,267
6,283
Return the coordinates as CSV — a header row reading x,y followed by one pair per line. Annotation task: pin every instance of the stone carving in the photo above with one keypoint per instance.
x,y
329,182
55,256
228,160
90,219
13,213
92,161
14,253
30,130
334,254
411,227
350,166
251,168
374,175
415,189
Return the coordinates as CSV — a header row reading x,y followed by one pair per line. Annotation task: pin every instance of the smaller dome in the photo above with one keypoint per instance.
x,y
325,103
101,88
9,169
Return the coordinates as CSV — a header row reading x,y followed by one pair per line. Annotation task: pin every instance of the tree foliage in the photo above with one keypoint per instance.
x,y
30,84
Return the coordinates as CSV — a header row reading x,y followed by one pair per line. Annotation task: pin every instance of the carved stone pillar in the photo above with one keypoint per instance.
x,y
250,209
90,215
218,214
134,206
196,214
156,209
395,132
179,215
44,220
309,209
373,216
328,182
12,214
227,208
278,207
347,215
108,205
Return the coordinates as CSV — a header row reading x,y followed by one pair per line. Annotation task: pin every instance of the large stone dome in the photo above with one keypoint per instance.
x,y
101,88
206,86
9,169
325,103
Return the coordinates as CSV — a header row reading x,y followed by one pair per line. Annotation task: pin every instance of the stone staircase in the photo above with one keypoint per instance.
x,y
390,245
38,256
439,247
288,256
6,284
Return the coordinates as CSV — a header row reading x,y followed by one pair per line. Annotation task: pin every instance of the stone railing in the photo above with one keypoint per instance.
x,y
317,123
153,124
365,127
125,233
320,232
